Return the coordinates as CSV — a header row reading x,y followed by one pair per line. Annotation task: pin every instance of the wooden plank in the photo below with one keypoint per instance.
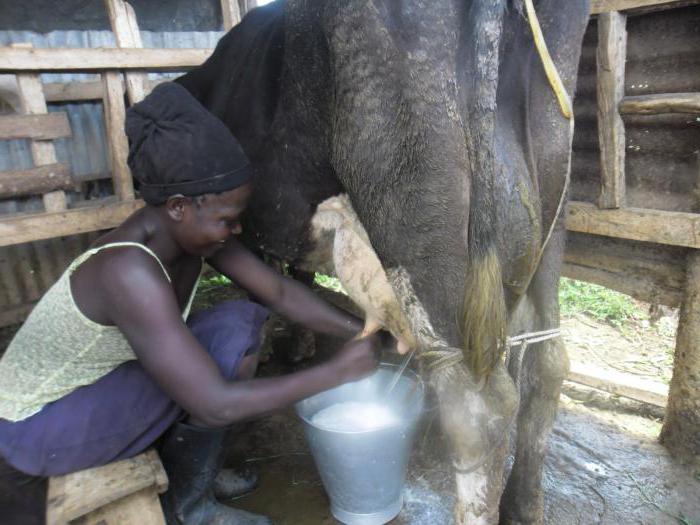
x,y
88,90
126,32
79,493
663,227
231,13
641,287
618,383
604,6
38,127
35,181
90,59
118,143
610,58
73,91
661,103
142,507
17,230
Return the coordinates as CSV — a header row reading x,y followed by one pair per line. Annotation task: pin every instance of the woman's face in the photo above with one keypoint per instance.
x,y
210,220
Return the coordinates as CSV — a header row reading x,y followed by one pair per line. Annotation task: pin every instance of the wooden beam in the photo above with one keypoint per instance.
x,y
662,103
37,127
116,138
663,227
231,13
90,59
27,228
611,55
641,288
35,181
126,32
605,6
88,90
620,384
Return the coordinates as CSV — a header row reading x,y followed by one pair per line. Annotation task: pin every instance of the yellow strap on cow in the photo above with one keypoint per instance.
x,y
549,68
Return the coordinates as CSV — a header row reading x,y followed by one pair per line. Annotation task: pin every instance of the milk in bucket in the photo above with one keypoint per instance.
x,y
360,437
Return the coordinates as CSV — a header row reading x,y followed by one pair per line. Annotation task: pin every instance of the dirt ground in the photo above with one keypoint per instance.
x,y
604,464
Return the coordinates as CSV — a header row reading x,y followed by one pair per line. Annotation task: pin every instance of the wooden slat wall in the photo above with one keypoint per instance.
x,y
31,256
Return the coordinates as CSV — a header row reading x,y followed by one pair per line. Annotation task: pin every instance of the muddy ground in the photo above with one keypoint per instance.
x,y
604,464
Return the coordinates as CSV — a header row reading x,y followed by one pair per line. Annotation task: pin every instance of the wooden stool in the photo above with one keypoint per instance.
x,y
121,493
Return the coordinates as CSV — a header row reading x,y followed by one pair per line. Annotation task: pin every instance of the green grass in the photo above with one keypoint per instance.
x,y
332,283
213,281
578,297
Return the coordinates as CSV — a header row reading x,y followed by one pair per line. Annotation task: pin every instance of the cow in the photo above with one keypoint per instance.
x,y
427,135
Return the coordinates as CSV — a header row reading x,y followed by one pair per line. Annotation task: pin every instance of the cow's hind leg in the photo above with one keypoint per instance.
x,y
476,419
543,368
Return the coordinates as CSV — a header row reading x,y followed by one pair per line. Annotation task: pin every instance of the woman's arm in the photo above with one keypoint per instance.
x,y
143,306
285,296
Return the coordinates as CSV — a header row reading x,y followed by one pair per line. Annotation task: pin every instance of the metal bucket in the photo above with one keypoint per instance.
x,y
364,472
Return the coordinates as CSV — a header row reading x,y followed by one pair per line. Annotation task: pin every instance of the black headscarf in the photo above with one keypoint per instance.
x,y
176,146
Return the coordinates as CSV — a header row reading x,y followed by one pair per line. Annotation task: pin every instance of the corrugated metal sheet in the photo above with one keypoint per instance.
x,y
662,151
28,270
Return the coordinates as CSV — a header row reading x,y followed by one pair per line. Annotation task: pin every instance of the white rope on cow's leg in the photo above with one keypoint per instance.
x,y
524,341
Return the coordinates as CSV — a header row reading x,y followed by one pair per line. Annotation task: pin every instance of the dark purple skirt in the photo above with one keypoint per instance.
x,y
124,412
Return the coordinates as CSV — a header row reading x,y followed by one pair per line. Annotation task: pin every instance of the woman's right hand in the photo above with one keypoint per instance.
x,y
357,358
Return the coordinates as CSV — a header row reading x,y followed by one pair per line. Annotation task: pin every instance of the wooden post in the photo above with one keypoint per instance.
x,y
681,429
32,100
611,56
231,13
118,145
126,32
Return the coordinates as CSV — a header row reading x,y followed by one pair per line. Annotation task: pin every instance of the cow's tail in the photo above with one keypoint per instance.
x,y
483,315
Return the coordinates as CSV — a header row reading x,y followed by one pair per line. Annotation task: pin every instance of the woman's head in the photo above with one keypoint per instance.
x,y
202,224
189,163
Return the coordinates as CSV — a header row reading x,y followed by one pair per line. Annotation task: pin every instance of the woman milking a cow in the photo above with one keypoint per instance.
x,y
109,364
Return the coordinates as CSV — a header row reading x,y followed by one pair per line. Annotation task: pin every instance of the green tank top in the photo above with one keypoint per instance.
x,y
58,349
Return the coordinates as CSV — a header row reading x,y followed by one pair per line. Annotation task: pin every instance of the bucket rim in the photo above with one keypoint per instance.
x,y
418,379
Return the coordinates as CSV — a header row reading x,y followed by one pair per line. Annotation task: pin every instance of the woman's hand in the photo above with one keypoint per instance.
x,y
356,358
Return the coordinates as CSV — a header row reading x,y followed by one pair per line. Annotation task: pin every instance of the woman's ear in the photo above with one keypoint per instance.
x,y
176,207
